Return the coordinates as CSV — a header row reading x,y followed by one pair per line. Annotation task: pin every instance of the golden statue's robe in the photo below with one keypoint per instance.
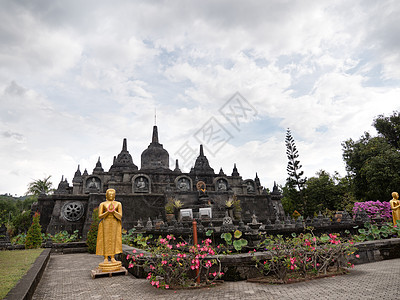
x,y
395,205
109,236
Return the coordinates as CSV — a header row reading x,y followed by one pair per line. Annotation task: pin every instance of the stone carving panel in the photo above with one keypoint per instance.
x,y
250,186
72,211
183,184
221,185
141,184
93,184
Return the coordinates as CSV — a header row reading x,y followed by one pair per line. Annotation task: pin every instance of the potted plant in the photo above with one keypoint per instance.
x,y
177,206
229,207
169,209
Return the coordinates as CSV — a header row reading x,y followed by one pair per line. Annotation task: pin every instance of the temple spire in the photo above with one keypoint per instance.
x,y
235,171
155,135
124,145
177,166
201,150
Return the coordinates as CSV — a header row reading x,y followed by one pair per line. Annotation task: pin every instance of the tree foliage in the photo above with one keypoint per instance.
x,y
326,192
293,198
374,162
40,186
389,128
91,239
34,235
293,167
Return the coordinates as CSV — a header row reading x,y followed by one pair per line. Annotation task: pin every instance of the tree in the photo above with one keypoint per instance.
x,y
293,198
39,186
91,239
8,208
327,192
293,167
373,163
389,128
34,235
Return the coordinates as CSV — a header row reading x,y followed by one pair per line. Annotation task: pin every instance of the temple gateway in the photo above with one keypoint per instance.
x,y
145,192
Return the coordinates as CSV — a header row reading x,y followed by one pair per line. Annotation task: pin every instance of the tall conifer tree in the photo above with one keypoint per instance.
x,y
295,182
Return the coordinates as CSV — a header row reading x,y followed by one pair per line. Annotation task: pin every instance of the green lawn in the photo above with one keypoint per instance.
x,y
13,265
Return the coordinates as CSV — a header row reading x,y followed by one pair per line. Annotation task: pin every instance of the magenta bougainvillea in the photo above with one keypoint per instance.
x,y
373,208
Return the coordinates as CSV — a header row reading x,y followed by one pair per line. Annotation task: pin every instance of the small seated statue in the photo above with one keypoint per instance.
x,y
141,184
109,237
395,206
183,185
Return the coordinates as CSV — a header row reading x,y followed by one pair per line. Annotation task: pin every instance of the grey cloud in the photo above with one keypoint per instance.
x,y
15,135
14,89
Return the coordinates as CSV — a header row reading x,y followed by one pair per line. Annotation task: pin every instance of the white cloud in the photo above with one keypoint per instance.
x,y
77,77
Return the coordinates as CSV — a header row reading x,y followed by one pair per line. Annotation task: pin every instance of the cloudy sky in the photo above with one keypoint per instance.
x,y
76,77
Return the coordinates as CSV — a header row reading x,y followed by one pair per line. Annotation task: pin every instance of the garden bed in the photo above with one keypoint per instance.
x,y
296,277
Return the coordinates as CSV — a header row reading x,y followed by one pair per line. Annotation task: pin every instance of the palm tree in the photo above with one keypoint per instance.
x,y
40,186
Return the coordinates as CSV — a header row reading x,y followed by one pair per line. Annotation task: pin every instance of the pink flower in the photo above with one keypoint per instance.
x,y
130,265
358,256
134,251
127,257
167,286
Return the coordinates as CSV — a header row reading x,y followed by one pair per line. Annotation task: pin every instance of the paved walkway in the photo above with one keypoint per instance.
x,y
68,277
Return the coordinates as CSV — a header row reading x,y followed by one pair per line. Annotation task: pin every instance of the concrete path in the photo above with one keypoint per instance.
x,y
68,277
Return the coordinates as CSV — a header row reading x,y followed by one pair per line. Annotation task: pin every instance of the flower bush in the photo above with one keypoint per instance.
x,y
169,267
304,254
373,208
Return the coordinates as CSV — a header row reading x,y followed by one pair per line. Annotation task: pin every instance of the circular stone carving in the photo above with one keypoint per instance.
x,y
73,211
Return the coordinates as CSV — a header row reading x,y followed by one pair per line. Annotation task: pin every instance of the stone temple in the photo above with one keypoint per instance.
x,y
145,191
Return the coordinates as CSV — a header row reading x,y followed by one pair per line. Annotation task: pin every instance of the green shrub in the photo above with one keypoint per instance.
x,y
372,232
19,239
65,237
128,236
91,239
34,235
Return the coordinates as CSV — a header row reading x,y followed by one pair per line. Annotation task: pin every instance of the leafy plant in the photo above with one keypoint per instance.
x,y
34,235
128,236
142,241
229,203
372,232
91,239
237,242
19,239
178,204
169,207
237,207
65,237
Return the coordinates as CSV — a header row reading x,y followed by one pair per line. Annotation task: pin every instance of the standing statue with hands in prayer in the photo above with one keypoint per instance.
x,y
109,236
395,206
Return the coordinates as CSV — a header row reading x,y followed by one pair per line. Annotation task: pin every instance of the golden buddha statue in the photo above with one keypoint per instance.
x,y
109,236
395,206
